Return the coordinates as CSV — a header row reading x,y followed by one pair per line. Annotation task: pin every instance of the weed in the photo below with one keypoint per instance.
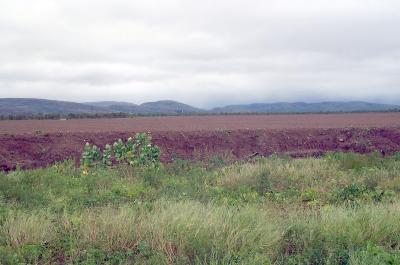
x,y
135,152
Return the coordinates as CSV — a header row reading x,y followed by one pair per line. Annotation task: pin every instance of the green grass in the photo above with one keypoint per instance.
x,y
338,209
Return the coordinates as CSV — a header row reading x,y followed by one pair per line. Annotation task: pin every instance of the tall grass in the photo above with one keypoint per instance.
x,y
21,228
269,211
206,234
110,228
176,229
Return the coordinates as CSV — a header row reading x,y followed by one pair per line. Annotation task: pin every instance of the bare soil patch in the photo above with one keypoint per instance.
x,y
204,123
32,150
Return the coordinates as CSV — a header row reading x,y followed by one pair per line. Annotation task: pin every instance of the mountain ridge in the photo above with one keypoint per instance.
x,y
33,106
303,107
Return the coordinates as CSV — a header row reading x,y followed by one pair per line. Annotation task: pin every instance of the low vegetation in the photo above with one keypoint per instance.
x,y
138,151
339,209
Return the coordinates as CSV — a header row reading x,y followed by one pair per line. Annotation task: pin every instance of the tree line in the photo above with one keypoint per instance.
x,y
58,116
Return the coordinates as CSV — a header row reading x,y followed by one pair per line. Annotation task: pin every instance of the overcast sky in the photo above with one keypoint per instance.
x,y
204,53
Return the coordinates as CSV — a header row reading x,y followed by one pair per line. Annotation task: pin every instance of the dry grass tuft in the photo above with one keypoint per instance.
x,y
28,228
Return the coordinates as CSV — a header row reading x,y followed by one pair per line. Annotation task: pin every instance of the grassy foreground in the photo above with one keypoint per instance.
x,y
339,209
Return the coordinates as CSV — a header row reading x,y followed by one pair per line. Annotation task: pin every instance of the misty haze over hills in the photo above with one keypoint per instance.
x,y
26,106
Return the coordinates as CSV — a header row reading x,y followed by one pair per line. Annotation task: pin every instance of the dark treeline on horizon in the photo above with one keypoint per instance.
x,y
58,116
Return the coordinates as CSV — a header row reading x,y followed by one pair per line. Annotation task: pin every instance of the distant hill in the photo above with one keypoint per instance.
x,y
29,106
157,107
302,107
168,107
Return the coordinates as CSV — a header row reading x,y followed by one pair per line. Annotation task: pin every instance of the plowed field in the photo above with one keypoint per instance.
x,y
205,123
32,144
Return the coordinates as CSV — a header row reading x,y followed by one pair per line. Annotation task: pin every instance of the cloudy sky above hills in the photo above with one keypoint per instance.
x,y
205,53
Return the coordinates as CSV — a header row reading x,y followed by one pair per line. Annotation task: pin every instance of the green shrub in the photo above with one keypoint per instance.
x,y
107,155
351,193
91,156
355,192
135,152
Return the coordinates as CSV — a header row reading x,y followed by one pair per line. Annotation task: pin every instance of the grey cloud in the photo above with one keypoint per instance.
x,y
201,52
